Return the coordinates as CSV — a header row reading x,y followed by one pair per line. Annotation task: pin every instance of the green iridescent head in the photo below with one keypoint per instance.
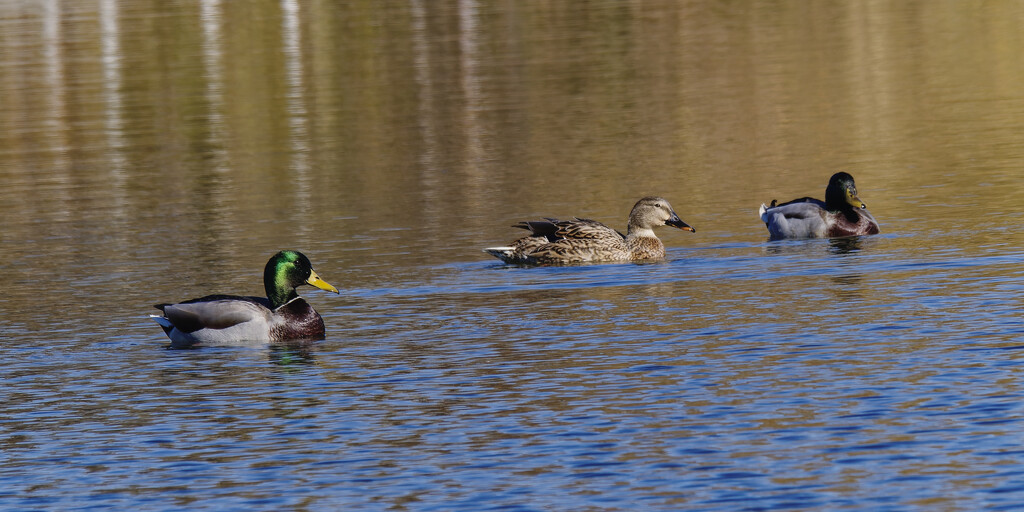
x,y
287,270
841,193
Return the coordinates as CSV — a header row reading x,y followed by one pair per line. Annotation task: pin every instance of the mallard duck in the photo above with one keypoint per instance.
x,y
582,240
282,316
842,213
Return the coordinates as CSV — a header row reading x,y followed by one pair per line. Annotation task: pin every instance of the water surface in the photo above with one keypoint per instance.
x,y
154,151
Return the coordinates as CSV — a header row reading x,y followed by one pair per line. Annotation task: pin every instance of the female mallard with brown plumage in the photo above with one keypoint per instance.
x,y
282,316
582,240
842,213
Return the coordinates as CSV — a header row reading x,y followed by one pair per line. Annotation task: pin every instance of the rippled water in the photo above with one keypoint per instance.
x,y
153,152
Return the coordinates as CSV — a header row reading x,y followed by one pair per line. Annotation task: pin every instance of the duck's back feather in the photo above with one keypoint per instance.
x,y
547,228
215,312
803,219
230,318
808,218
553,241
586,229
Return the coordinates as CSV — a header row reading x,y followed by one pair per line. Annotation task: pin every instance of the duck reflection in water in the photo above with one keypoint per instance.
x,y
292,355
838,246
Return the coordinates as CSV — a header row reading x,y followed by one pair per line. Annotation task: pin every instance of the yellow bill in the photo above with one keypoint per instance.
x,y
851,197
320,283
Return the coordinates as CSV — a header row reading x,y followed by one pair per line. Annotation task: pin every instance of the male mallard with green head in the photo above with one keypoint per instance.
x,y
283,315
582,240
842,213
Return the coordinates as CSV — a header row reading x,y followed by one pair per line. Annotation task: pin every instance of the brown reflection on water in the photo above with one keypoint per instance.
x,y
393,135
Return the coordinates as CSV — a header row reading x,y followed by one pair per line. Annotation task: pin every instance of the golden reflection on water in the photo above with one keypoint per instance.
x,y
292,120
137,136
382,137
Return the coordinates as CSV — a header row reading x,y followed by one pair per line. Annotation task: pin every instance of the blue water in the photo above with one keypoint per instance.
x,y
762,376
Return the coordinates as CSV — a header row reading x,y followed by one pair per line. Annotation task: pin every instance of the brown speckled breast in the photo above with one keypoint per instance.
x,y
644,248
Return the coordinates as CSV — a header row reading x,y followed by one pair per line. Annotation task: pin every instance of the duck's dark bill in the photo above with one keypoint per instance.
x,y
681,225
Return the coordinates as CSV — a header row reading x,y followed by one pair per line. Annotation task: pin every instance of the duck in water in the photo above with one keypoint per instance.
x,y
842,213
579,240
